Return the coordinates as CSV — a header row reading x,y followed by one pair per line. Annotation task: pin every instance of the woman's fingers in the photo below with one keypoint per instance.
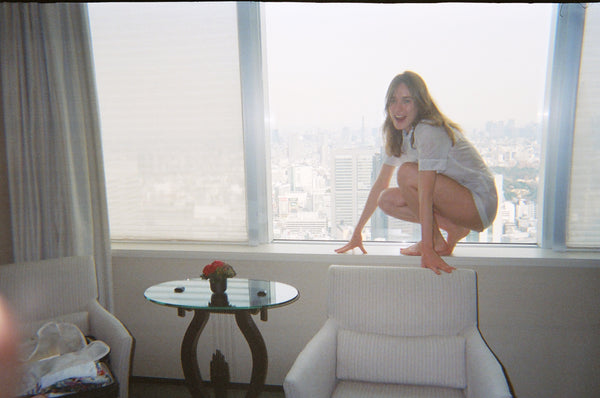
x,y
351,246
344,248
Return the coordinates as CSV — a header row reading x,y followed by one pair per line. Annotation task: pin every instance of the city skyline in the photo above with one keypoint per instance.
x,y
318,184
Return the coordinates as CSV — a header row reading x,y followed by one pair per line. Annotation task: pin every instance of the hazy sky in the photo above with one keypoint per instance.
x,y
330,64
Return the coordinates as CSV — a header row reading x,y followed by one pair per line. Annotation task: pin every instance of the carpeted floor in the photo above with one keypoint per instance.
x,y
167,388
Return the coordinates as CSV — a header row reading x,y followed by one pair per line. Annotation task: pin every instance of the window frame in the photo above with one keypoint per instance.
x,y
564,57
558,124
256,143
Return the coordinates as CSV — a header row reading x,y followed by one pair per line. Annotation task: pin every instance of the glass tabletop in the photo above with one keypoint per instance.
x,y
241,294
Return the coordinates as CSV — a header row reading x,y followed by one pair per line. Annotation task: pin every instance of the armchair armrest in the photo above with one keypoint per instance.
x,y
313,373
485,376
106,327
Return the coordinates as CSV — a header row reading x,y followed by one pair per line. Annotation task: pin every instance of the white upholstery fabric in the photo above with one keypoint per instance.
x,y
413,302
65,289
370,308
313,374
354,389
430,360
49,288
482,366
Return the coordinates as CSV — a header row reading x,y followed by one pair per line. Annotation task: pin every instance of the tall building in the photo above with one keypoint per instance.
x,y
379,220
497,225
351,172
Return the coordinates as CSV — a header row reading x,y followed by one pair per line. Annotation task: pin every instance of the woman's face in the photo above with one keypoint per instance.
x,y
402,108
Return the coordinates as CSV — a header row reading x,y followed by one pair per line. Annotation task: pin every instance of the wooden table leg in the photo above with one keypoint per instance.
x,y
259,352
189,355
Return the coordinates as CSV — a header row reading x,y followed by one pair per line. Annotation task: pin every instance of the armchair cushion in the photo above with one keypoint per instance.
x,y
427,360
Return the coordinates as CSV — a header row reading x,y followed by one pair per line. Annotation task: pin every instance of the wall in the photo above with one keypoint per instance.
x,y
541,317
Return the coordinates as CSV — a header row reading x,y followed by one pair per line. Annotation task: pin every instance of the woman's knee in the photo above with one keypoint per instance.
x,y
388,199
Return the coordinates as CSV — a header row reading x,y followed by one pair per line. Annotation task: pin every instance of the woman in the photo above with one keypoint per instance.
x,y
442,180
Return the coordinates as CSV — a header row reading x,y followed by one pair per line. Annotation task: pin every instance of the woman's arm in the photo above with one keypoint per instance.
x,y
426,184
429,257
382,182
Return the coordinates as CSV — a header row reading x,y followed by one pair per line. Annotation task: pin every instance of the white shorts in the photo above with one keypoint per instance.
x,y
487,205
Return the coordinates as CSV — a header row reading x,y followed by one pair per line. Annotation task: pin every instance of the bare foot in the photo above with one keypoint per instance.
x,y
441,249
414,250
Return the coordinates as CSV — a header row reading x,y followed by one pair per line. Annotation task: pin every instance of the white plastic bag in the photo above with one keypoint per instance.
x,y
61,352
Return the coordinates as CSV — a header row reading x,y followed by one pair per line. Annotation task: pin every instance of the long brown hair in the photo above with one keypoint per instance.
x,y
427,112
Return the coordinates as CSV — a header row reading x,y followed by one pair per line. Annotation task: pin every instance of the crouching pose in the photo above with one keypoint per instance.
x,y
443,183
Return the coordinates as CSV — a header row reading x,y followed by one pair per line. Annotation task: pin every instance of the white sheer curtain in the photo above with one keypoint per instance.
x,y
169,91
56,177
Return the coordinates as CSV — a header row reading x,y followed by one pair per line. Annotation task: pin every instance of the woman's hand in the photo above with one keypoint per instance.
x,y
381,183
355,241
430,259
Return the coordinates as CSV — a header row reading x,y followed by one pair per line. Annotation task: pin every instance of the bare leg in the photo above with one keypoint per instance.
x,y
441,247
454,209
392,203
408,185
455,233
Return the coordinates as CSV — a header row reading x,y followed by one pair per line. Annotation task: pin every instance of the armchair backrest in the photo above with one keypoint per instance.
x,y
402,301
46,289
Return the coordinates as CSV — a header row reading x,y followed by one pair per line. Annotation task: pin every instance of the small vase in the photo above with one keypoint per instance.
x,y
218,285
219,300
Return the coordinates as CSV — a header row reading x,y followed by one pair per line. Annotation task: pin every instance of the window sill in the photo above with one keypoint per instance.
x,y
378,253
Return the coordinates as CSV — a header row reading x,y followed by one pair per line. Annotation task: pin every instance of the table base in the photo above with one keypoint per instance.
x,y
219,367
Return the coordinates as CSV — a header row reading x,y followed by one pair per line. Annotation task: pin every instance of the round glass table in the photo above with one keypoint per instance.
x,y
242,298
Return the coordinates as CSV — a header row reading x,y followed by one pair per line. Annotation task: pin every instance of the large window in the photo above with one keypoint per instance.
x,y
174,111
329,66
168,79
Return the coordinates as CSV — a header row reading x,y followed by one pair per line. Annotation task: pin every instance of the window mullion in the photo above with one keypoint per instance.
x,y
562,100
256,147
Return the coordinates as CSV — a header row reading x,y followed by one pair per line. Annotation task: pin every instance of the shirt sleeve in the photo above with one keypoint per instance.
x,y
433,146
393,161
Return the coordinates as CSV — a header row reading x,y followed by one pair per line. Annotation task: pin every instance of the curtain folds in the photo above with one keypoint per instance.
x,y
52,129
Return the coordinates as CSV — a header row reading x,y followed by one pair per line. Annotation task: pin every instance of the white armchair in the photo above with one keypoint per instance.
x,y
398,332
65,289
